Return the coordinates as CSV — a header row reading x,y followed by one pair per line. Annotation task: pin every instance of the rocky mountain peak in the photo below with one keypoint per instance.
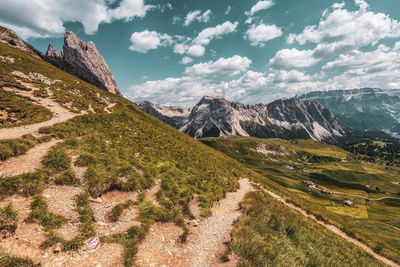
x,y
84,61
283,118
51,52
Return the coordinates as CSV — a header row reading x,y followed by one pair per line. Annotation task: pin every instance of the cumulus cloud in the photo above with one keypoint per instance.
x,y
258,35
222,67
197,16
196,47
46,18
341,30
186,60
338,5
261,5
292,59
146,40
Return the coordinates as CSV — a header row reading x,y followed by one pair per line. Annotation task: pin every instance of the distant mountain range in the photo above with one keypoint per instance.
x,y
366,109
216,116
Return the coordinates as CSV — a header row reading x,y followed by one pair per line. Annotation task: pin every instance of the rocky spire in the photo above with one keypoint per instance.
x,y
52,52
84,61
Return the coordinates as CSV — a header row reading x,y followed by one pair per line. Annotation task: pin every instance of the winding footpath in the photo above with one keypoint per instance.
x,y
28,162
366,198
60,114
204,245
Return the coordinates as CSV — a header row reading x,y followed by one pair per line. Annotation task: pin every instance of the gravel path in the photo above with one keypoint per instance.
x,y
28,162
205,244
60,114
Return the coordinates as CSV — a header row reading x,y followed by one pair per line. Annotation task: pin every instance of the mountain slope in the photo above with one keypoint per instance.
x,y
108,148
114,172
362,109
215,116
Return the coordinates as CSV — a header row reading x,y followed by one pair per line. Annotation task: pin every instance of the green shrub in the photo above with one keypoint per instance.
x,y
16,147
41,214
67,178
8,214
27,184
57,159
85,160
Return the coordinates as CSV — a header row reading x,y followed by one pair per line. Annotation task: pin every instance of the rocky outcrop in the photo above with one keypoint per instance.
x,y
8,36
288,119
84,61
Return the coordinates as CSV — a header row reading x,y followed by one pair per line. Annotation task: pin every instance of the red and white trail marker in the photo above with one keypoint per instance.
x,y
94,242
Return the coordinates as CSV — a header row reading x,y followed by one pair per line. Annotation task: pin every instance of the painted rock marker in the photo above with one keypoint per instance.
x,y
94,242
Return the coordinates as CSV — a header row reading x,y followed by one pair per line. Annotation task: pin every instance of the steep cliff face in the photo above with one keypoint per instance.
x,y
292,118
363,109
84,61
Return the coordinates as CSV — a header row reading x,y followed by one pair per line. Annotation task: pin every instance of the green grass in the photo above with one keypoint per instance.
x,y
67,178
271,234
11,261
117,210
21,110
40,214
16,147
57,159
333,169
8,214
27,184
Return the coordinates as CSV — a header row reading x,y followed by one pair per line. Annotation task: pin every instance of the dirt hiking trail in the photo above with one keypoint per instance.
x,y
205,244
60,114
28,162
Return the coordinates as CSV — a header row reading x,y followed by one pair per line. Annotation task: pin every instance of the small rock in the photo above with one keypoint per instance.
x,y
57,248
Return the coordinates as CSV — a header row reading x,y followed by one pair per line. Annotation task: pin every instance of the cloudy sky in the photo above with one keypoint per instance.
x,y
175,51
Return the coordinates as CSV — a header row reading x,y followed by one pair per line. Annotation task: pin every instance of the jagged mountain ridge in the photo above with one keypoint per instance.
x,y
84,61
216,116
365,109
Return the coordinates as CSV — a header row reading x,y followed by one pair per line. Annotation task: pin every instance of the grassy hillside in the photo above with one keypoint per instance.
x,y
125,150
331,169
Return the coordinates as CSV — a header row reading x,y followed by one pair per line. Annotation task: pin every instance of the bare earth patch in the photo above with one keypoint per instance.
x,y
28,162
205,244
61,200
102,207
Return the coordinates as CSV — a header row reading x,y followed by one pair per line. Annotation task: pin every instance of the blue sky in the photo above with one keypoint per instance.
x,y
175,51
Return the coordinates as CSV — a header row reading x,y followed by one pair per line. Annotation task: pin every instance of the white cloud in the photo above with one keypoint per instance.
x,y
222,67
292,59
342,31
206,35
46,18
258,35
261,5
228,10
197,16
176,19
196,50
338,5
196,47
146,40
186,60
